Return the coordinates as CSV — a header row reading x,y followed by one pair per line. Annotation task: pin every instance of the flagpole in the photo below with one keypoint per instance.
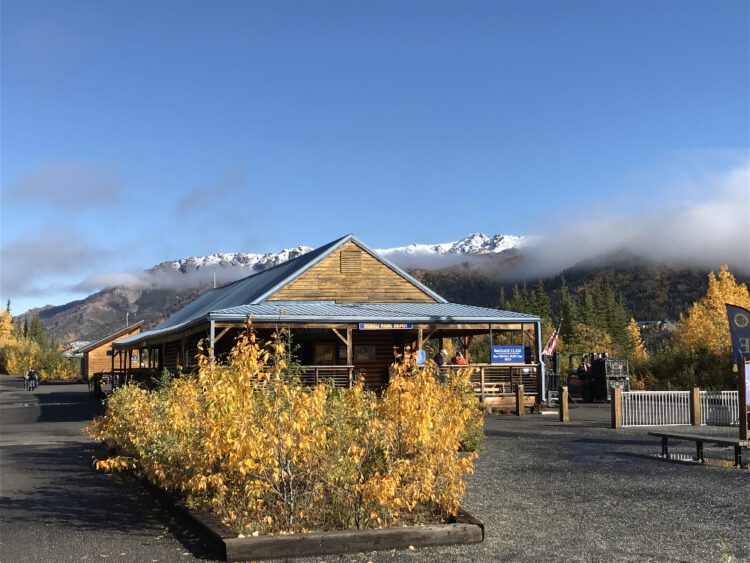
x,y
743,367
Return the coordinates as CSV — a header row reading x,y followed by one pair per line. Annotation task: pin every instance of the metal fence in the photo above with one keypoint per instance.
x,y
655,408
720,408
672,408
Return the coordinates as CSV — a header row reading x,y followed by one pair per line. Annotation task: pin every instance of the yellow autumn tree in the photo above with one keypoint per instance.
x,y
267,454
639,354
705,326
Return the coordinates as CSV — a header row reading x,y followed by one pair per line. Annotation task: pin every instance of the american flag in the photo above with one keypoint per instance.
x,y
549,349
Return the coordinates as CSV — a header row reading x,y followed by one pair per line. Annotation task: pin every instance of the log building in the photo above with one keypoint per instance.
x,y
347,308
98,356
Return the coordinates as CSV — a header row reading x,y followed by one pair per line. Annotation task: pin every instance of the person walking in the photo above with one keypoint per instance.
x,y
33,379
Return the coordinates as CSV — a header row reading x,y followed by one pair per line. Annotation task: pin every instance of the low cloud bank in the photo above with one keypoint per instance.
x,y
702,233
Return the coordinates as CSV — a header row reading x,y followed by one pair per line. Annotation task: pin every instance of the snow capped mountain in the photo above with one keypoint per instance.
x,y
245,260
475,244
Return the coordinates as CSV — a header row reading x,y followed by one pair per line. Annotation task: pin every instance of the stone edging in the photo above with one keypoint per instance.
x,y
465,530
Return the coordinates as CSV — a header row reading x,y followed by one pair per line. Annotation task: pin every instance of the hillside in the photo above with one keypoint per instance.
x,y
472,270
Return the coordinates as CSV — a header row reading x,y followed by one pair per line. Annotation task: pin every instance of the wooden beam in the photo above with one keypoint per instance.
x,y
222,333
337,333
420,338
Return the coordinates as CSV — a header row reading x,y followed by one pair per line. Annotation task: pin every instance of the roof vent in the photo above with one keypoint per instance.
x,y
351,261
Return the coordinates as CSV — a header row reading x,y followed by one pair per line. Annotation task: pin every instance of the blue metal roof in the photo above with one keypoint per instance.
x,y
326,311
296,311
236,300
250,289
258,287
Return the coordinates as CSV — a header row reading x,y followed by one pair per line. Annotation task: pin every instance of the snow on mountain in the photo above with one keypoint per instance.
x,y
245,260
475,244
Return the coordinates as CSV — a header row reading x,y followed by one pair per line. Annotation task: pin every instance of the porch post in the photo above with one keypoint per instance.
x,y
349,352
213,340
420,337
542,375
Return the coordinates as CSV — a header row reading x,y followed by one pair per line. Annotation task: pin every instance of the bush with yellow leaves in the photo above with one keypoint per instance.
x,y
269,455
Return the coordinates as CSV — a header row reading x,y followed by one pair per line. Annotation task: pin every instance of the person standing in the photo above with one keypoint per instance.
x,y
33,379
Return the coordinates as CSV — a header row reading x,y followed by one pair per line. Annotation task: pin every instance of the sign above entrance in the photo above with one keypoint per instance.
x,y
385,326
508,355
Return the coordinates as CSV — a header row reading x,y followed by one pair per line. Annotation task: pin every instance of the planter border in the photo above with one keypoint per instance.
x,y
465,529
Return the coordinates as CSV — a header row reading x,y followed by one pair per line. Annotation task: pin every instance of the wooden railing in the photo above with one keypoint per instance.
x,y
492,380
342,376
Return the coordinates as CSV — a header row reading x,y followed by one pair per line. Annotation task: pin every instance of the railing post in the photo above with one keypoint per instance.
x,y
695,406
562,399
520,408
481,384
617,407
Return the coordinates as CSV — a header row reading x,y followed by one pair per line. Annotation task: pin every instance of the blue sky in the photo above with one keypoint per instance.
x,y
135,132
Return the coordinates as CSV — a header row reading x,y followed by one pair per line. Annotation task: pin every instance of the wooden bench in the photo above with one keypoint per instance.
x,y
699,440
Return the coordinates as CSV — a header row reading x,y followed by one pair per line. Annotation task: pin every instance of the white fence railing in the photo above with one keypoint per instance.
x,y
672,408
720,408
655,408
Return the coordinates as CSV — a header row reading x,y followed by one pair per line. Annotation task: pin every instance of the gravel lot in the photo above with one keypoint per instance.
x,y
584,492
545,491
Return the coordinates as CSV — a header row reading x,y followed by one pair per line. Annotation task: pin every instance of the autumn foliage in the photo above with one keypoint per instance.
x,y
269,455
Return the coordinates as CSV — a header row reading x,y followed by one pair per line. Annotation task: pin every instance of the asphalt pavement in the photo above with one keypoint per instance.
x,y
54,506
546,491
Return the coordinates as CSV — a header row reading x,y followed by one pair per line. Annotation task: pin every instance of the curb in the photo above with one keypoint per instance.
x,y
221,540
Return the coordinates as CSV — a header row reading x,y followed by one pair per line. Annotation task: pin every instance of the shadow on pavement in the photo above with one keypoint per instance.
x,y
63,490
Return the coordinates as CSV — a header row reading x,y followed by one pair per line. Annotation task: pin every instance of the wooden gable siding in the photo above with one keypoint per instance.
x,y
374,282
97,360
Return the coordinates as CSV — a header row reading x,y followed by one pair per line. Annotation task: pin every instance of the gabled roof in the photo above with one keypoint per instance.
x,y
109,338
256,288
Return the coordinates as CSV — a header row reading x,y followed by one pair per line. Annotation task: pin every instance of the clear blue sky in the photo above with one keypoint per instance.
x,y
135,132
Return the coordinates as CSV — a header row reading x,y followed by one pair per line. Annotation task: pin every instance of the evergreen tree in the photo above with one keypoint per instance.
x,y
502,301
36,331
568,311
541,302
587,308
25,330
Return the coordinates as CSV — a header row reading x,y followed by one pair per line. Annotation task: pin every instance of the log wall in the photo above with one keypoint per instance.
x,y
343,278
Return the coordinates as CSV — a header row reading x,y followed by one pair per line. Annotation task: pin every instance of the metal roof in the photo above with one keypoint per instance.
x,y
249,289
369,312
247,296
109,338
327,311
258,287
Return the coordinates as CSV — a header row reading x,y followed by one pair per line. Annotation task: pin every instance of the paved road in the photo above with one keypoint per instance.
x,y
53,506
545,491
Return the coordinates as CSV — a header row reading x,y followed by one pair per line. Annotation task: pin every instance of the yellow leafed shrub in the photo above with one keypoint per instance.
x,y
270,455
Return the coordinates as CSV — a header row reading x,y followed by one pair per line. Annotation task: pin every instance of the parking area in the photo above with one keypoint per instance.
x,y
545,491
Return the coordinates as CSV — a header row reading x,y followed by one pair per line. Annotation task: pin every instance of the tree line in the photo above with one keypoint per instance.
x,y
694,351
27,344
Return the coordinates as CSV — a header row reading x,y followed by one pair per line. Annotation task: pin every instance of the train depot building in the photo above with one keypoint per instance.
x,y
347,309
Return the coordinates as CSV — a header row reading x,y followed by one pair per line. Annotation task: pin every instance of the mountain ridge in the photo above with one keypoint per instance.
x,y
470,270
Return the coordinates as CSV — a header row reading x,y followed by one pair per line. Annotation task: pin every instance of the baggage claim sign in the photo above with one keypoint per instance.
x,y
739,329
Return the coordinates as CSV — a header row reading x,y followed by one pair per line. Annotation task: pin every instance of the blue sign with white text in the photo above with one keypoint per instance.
x,y
421,357
508,354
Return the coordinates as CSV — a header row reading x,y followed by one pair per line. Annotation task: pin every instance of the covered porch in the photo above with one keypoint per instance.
x,y
347,351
